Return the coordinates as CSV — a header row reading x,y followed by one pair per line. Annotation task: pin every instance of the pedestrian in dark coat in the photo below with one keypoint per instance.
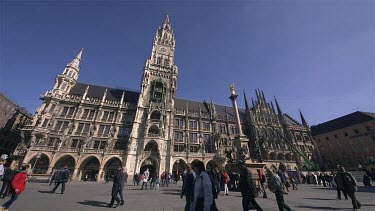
x,y
118,185
187,187
248,190
338,189
7,180
348,183
62,178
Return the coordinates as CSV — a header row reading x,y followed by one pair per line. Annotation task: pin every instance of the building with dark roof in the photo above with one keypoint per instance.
x,y
92,128
348,140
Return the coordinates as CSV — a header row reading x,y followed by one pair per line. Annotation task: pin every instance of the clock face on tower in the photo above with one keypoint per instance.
x,y
163,50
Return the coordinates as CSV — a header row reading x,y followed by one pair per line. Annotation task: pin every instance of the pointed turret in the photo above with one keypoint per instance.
x,y
273,108
304,123
166,20
75,62
279,112
246,103
252,102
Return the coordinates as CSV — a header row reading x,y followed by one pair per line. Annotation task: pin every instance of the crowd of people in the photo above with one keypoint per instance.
x,y
199,187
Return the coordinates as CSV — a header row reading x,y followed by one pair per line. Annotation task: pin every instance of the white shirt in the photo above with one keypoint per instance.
x,y
1,170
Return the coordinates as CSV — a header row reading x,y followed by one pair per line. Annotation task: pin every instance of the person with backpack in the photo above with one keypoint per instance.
x,y
348,184
248,190
62,178
275,185
204,193
17,186
7,180
262,181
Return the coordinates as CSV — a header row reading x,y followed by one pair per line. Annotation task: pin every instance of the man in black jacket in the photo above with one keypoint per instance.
x,y
62,178
187,187
118,185
247,189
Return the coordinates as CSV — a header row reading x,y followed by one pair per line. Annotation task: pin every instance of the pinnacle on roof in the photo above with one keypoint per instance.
x,y
75,62
304,123
246,103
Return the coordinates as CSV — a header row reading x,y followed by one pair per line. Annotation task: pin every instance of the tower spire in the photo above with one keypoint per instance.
x,y
75,62
304,123
280,113
246,103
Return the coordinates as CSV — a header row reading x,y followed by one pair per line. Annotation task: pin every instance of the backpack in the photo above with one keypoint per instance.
x,y
263,179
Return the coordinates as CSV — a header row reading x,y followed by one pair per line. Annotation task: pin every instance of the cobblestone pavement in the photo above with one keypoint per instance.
x,y
95,196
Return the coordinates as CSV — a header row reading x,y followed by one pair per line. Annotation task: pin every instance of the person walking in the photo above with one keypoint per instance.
x,y
17,186
275,185
203,199
62,178
53,177
293,181
349,185
121,192
145,176
281,174
366,180
2,162
187,187
225,180
7,180
262,181
118,185
339,190
248,191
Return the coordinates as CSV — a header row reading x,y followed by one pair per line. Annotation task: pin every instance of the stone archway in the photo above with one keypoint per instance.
x,y
150,164
40,165
66,160
110,167
179,166
90,169
211,165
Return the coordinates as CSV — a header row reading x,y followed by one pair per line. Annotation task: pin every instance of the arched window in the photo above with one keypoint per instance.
x,y
166,62
159,60
154,130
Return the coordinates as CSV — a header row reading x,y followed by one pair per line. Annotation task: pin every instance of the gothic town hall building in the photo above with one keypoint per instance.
x,y
92,129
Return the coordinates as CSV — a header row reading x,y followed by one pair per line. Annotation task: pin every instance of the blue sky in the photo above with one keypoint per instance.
x,y
313,55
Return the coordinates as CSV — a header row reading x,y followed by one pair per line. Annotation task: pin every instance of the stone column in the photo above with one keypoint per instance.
x,y
99,174
75,174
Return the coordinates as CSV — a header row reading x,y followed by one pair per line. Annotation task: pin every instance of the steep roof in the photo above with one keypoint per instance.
x,y
195,105
342,122
98,92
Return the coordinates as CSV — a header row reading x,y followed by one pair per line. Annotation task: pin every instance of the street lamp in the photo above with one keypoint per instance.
x,y
38,155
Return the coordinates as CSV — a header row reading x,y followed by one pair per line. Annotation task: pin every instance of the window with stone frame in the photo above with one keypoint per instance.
x,y
61,125
127,118
179,123
96,145
103,144
74,143
52,141
193,125
193,148
179,148
222,129
193,137
178,136
67,112
206,126
52,108
91,114
45,122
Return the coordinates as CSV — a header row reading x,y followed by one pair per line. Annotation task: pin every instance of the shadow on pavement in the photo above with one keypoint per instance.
x,y
171,193
319,199
360,189
321,208
44,191
94,203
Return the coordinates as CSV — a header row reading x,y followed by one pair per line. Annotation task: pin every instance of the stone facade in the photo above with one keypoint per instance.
x,y
92,129
347,141
13,118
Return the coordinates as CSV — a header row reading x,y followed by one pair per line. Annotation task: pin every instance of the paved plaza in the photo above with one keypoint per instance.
x,y
95,196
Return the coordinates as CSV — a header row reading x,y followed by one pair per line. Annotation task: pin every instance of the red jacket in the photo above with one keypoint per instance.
x,y
18,183
224,177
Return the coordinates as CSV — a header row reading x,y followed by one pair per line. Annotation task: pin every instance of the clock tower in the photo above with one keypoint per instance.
x,y
151,137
